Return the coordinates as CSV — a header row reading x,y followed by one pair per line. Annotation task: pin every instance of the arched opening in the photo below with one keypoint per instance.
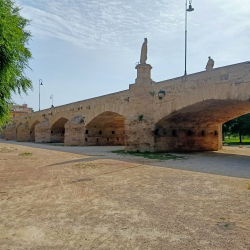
x,y
106,129
197,127
57,131
32,131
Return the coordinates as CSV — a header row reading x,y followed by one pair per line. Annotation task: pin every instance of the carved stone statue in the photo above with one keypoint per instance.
x,y
144,52
210,64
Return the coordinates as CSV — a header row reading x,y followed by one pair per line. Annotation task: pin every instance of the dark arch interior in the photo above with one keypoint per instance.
x,y
57,131
208,113
107,128
197,127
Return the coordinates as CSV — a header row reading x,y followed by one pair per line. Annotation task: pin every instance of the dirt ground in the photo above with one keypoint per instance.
x,y
59,200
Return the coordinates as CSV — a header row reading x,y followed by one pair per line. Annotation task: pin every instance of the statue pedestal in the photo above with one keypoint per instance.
x,y
143,74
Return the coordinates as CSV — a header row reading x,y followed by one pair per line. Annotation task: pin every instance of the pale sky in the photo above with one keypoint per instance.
x,y
87,48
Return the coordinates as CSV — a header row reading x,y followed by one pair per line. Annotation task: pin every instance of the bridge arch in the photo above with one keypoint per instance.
x,y
230,92
57,130
107,128
197,127
107,107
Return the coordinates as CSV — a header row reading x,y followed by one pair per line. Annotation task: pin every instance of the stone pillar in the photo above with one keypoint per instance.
x,y
143,74
10,132
139,125
42,132
139,134
75,132
23,133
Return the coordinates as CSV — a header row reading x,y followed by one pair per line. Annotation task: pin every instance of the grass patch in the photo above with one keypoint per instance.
x,y
25,154
149,155
236,141
223,218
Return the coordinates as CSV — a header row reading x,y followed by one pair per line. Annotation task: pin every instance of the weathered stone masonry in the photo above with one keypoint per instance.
x,y
182,114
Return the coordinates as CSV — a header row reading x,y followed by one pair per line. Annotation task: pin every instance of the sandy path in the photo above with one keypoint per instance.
x,y
58,200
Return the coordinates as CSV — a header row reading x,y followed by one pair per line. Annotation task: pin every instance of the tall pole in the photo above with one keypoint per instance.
x,y
190,9
185,73
40,83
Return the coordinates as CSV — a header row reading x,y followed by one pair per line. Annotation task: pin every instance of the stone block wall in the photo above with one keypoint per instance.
x,y
139,134
42,132
24,133
188,138
74,134
10,132
105,136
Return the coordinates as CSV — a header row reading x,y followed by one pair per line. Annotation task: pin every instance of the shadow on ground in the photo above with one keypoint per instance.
x,y
231,161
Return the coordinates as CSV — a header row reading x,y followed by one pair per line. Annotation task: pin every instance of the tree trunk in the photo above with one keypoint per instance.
x,y
223,136
240,137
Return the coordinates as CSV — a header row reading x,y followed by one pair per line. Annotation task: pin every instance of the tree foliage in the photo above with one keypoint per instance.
x,y
239,125
14,55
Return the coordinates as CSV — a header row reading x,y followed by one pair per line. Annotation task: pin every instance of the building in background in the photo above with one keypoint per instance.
x,y
18,110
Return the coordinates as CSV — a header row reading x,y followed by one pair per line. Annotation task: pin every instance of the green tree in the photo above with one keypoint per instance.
x,y
240,126
14,55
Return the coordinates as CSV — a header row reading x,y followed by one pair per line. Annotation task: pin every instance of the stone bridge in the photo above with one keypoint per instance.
x,y
181,114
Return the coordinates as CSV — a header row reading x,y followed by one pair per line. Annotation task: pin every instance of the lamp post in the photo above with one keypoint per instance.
x,y
51,97
190,9
40,83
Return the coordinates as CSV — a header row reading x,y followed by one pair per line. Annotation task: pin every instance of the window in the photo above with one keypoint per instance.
x,y
203,133
100,132
113,132
174,133
87,132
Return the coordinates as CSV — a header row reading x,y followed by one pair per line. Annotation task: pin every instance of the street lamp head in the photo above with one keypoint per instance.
x,y
190,9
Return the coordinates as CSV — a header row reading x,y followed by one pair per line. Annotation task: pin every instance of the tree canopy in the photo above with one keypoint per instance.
x,y
14,55
239,125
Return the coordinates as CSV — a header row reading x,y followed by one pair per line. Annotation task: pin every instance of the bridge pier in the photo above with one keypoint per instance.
x,y
42,132
139,134
75,132
10,132
24,133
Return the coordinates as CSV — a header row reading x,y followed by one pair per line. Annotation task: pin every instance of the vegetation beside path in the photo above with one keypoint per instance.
x,y
235,141
150,155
